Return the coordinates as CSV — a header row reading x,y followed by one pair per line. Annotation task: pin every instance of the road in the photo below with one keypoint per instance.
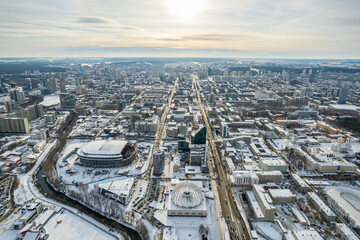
x,y
159,136
235,221
117,117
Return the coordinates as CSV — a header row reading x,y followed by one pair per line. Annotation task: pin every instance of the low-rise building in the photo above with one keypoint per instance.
x,y
120,190
265,202
273,164
282,196
320,206
345,232
308,234
300,183
255,207
269,176
243,179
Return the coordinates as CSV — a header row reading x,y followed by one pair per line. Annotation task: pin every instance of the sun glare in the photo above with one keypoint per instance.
x,y
185,8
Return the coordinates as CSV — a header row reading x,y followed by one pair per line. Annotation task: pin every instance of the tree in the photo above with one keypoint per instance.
x,y
203,231
142,230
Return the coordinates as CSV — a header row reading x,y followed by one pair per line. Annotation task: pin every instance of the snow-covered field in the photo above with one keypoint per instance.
x,y
73,227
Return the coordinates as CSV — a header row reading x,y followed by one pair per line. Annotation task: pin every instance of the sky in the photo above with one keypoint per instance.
x,y
180,28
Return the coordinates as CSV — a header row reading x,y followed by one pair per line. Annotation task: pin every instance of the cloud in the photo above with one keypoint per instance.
x,y
91,20
214,37
205,37
322,27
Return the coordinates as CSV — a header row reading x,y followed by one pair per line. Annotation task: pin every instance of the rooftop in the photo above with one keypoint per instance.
x,y
187,195
104,147
120,187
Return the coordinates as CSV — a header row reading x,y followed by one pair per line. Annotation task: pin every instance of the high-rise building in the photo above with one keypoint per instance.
x,y
45,82
3,87
17,95
52,84
159,160
199,137
67,100
50,117
62,85
77,81
10,105
14,125
343,95
32,112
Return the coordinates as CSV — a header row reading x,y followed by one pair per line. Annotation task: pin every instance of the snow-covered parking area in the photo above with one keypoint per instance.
x,y
67,226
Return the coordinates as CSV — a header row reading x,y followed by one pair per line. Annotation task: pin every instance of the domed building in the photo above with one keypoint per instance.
x,y
187,199
106,153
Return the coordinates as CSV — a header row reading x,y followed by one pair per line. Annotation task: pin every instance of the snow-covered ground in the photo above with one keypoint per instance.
x,y
348,198
73,227
188,227
27,191
355,146
81,174
51,100
22,193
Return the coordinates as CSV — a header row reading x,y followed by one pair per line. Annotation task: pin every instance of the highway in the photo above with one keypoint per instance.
x,y
235,222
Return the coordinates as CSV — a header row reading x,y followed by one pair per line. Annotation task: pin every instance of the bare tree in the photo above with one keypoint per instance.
x,y
142,230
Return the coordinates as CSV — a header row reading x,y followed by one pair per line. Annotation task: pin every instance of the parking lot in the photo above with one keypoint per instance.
x,y
5,195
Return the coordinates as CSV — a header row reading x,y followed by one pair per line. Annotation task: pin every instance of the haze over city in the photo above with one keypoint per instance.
x,y
188,28
179,120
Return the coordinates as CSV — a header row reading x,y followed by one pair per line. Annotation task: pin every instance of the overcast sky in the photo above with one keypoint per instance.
x,y
165,28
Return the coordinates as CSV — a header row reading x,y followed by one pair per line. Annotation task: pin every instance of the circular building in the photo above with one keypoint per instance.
x,y
187,199
106,153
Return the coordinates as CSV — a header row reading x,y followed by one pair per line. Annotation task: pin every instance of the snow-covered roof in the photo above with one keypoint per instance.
x,y
281,193
344,107
120,187
104,147
187,195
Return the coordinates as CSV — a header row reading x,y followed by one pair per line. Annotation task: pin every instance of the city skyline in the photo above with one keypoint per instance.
x,y
169,28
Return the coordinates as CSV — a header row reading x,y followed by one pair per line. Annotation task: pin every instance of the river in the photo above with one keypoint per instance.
x,y
61,197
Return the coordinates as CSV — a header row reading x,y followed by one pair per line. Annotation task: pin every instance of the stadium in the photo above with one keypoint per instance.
x,y
106,154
